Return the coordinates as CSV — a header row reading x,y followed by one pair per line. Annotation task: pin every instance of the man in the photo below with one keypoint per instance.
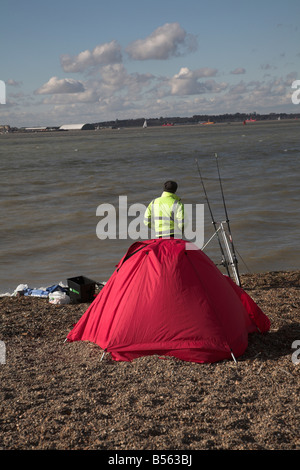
x,y
165,214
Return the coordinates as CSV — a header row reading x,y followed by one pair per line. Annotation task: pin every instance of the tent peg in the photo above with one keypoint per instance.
x,y
103,355
233,357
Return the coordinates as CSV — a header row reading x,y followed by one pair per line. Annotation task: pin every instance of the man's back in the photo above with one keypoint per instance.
x,y
165,214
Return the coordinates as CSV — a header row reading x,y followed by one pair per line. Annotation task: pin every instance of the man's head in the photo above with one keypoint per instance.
x,y
170,186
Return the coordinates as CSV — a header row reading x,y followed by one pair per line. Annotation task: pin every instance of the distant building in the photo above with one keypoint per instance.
x,y
76,127
35,129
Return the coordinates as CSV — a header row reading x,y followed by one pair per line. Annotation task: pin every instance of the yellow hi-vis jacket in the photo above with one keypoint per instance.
x,y
165,215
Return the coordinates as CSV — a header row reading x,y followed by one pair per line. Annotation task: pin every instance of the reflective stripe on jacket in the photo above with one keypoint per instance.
x,y
165,215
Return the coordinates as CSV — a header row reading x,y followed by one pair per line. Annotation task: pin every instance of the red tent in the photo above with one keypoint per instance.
x,y
168,299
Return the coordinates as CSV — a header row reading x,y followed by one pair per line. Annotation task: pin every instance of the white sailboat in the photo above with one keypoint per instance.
x,y
145,124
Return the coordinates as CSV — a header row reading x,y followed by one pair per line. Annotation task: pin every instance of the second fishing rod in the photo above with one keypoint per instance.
x,y
231,252
224,261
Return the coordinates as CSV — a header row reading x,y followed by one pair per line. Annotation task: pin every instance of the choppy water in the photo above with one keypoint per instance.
x,y
52,184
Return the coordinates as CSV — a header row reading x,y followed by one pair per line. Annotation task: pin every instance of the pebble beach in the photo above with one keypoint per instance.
x,y
60,396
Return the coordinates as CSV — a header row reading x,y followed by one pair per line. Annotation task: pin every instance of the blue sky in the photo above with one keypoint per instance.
x,y
75,62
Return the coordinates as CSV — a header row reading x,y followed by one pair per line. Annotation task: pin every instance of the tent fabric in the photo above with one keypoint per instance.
x,y
166,297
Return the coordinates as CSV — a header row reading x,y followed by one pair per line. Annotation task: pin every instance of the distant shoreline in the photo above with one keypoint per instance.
x,y
195,121
188,125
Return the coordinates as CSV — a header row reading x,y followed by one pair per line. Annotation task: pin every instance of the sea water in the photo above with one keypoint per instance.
x,y
52,184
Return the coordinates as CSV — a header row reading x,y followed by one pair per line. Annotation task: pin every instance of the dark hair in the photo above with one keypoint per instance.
x,y
170,186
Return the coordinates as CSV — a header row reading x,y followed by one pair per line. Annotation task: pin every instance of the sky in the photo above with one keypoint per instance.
x,y
75,62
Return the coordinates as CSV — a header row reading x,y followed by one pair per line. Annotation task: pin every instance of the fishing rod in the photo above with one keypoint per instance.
x,y
233,257
224,261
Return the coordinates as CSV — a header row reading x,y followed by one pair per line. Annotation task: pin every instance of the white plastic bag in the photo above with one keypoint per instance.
x,y
59,298
20,289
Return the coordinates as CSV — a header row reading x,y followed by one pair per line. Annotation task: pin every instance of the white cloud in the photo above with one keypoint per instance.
x,y
258,95
186,82
114,85
103,54
11,82
238,71
64,85
166,41
238,88
290,78
88,96
115,78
